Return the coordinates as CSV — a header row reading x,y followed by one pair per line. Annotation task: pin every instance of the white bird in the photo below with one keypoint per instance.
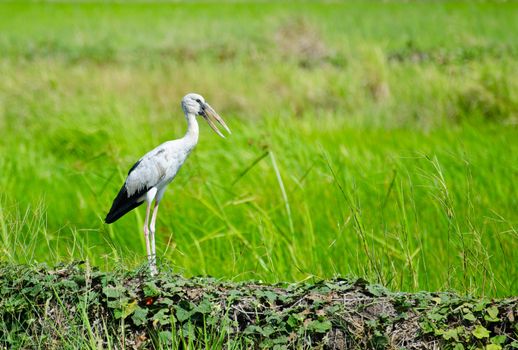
x,y
148,178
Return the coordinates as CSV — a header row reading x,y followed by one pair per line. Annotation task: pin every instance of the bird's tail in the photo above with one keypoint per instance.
x,y
123,204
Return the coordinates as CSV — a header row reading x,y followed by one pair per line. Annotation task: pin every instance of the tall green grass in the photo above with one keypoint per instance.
x,y
376,140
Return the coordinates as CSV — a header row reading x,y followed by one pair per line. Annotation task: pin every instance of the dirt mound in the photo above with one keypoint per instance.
x,y
134,310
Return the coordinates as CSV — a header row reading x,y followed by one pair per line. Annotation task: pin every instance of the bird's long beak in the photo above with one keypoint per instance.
x,y
210,115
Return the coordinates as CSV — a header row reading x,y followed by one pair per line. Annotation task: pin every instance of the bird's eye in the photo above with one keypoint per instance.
x,y
198,100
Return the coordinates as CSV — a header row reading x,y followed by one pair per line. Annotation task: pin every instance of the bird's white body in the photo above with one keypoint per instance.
x,y
157,168
149,177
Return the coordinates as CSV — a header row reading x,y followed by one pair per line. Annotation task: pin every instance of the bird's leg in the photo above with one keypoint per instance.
x,y
152,229
146,234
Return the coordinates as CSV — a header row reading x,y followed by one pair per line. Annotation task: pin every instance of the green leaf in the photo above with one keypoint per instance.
x,y
165,338
139,316
162,317
458,346
151,290
492,311
499,339
267,331
113,292
493,347
188,331
120,303
292,321
451,334
280,342
128,309
319,326
427,326
480,332
182,314
117,313
252,329
68,284
480,306
376,290
205,307
469,317
492,314
435,316
439,331
271,296
166,301
437,300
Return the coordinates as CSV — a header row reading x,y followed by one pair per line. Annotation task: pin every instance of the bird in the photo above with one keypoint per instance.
x,y
148,178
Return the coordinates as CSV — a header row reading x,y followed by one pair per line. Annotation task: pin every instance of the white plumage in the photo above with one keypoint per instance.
x,y
149,177
158,167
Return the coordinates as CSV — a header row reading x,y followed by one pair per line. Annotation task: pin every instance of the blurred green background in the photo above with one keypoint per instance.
x,y
369,139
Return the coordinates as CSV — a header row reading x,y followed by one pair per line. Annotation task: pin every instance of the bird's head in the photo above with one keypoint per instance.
x,y
195,104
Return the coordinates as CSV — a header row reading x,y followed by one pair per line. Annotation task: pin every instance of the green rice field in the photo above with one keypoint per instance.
x,y
374,140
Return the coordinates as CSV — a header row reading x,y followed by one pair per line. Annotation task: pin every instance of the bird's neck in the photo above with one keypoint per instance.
x,y
193,130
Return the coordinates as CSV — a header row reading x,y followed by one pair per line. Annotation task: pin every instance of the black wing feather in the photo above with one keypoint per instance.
x,y
124,203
